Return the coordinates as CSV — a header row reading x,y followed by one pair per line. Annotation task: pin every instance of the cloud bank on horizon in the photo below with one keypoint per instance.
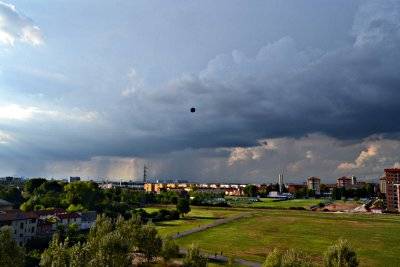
x,y
99,102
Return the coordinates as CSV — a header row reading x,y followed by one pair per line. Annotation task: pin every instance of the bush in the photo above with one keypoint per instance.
x,y
340,254
193,258
170,249
288,258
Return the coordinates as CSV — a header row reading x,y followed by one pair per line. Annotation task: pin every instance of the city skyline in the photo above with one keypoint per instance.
x,y
98,90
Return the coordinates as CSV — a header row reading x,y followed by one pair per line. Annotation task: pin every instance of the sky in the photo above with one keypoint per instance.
x,y
97,89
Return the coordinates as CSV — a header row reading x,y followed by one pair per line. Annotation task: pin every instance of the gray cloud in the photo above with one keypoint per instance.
x,y
283,94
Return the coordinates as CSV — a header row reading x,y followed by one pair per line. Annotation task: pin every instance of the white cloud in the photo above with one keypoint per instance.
x,y
360,161
5,138
10,112
16,27
135,84
17,112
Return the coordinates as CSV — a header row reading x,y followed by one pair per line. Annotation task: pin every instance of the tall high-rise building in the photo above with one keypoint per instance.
x,y
392,177
313,183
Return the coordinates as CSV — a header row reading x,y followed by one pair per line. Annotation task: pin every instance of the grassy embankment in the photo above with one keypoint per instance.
x,y
375,237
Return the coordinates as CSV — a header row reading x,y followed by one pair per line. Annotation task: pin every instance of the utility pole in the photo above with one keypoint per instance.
x,y
145,173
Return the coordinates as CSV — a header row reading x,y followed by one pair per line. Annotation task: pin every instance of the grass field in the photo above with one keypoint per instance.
x,y
375,237
198,216
271,203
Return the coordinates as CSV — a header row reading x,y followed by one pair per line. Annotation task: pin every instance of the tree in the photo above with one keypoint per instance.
x,y
32,184
170,249
84,193
340,254
288,258
148,242
11,255
193,258
57,254
183,206
250,190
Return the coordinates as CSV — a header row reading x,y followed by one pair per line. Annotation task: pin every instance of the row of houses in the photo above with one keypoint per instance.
x,y
227,189
26,225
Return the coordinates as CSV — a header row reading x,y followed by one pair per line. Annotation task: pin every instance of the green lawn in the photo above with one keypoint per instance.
x,y
198,216
375,237
272,203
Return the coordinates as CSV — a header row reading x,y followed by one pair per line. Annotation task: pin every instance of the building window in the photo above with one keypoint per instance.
x,y
21,225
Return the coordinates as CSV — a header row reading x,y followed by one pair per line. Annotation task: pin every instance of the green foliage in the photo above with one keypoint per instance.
x,y
289,258
27,205
250,190
170,249
183,206
83,193
148,242
194,258
107,245
167,197
341,254
11,194
75,208
31,185
11,255
57,254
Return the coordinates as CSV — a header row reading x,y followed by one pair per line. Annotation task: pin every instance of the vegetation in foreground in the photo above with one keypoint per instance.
x,y
375,237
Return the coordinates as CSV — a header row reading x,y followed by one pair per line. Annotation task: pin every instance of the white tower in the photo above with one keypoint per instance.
x,y
280,182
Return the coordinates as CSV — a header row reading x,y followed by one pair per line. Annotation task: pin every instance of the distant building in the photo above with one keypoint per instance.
x,y
314,183
392,177
9,180
23,224
382,185
353,180
74,179
343,182
293,188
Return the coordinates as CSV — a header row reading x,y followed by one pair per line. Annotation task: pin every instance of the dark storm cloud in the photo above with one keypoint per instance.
x,y
283,91
349,93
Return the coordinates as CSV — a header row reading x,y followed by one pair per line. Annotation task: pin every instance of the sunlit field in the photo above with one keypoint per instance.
x,y
376,238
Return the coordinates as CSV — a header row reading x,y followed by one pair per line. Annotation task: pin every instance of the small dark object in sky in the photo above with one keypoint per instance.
x,y
193,110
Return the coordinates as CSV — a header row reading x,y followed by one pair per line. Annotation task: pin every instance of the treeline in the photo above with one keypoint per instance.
x,y
366,191
110,242
39,193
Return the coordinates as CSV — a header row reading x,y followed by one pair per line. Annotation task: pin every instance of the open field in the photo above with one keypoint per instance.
x,y
272,203
197,217
375,237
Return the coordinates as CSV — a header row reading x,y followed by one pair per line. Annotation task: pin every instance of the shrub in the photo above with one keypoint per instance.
x,y
288,258
193,258
340,254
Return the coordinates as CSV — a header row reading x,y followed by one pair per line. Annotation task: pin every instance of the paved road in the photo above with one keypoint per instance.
x,y
218,257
